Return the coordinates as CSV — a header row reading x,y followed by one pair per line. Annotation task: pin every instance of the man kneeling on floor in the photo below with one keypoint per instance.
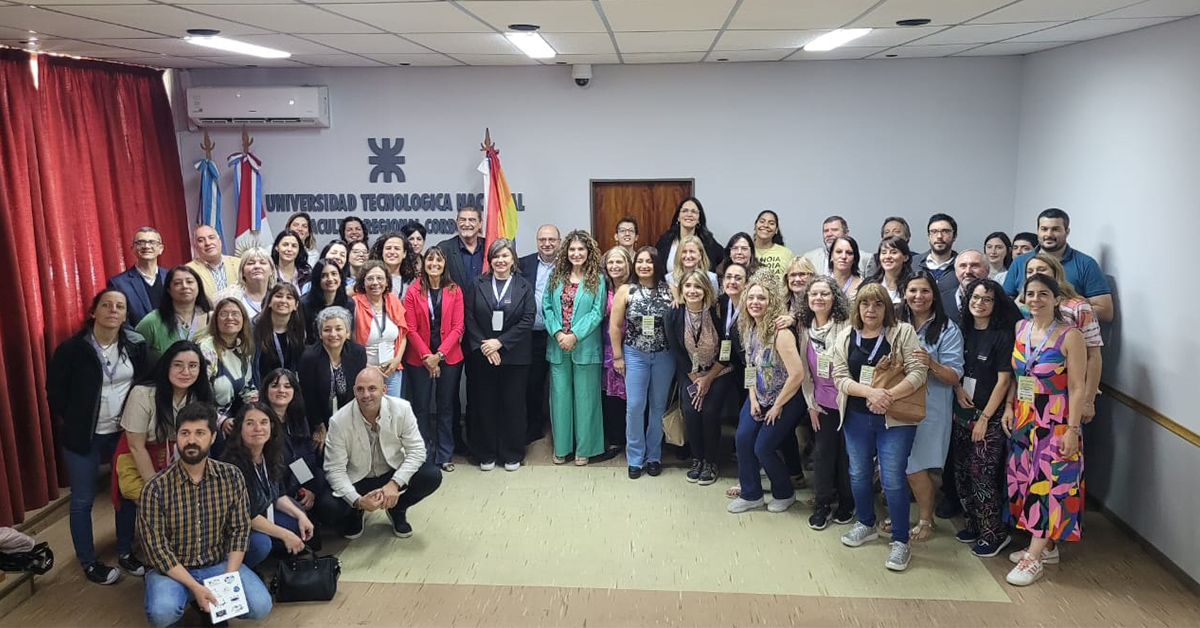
x,y
194,522
375,459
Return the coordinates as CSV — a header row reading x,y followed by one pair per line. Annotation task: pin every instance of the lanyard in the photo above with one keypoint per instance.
x,y
110,368
255,308
878,343
264,478
846,288
380,320
499,294
730,316
278,348
1036,353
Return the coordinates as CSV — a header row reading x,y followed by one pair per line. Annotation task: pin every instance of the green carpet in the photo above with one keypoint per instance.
x,y
594,528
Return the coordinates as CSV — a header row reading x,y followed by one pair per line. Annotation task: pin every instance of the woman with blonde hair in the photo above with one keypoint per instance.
x,y
774,405
573,308
256,276
691,256
618,268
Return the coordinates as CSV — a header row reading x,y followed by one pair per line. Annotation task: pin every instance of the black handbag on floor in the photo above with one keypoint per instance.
x,y
307,577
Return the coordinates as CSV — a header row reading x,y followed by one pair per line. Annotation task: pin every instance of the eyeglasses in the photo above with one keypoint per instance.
x,y
230,315
944,232
145,243
627,231
984,299
185,366
741,248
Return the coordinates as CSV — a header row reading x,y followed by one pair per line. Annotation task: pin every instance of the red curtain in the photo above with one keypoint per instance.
x,y
89,155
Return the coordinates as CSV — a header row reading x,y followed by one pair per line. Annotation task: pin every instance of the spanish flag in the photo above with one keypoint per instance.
x,y
501,213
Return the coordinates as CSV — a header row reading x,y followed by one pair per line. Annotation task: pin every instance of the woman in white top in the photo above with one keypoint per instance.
x,y
691,256
892,266
228,348
256,275
358,255
380,324
398,259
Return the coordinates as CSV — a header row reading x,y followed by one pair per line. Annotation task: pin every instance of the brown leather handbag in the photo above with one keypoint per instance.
x,y
889,372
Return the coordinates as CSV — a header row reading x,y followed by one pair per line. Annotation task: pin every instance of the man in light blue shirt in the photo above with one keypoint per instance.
x,y
1054,225
536,269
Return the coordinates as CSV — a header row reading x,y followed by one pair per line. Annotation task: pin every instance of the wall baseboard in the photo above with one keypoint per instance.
x,y
1191,583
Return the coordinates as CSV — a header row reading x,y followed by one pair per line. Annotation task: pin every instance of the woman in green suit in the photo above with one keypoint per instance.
x,y
572,307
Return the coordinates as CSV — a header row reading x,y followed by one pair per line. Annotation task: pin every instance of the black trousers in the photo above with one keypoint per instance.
x,y
437,426
949,485
335,511
704,425
613,409
535,389
831,465
497,395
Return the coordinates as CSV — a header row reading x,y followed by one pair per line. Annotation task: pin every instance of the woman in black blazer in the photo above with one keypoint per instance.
x,y
328,370
499,317
689,220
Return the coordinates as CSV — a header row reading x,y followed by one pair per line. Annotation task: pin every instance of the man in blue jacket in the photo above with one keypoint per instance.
x,y
142,283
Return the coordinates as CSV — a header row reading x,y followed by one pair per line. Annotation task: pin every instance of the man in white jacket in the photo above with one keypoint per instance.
x,y
375,459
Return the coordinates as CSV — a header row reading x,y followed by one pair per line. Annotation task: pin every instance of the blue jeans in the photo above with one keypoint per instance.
x,y
758,445
393,384
166,599
648,376
84,470
866,437
261,543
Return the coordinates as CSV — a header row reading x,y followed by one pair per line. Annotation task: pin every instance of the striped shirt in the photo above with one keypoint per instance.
x,y
193,524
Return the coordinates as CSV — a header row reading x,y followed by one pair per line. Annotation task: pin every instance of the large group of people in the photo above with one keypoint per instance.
x,y
328,384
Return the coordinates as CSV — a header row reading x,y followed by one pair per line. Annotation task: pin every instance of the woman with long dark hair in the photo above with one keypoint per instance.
x,y
739,250
893,266
339,252
997,248
328,288
291,259
280,389
844,260
279,331
353,229
181,315
688,220
396,253
87,382
768,243
301,224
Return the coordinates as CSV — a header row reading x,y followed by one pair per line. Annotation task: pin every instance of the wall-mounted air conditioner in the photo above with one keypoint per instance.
x,y
259,106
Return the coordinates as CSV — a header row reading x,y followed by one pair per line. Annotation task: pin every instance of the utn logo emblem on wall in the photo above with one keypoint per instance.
x,y
386,159
382,208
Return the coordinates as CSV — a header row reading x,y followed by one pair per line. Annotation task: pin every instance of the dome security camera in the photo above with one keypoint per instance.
x,y
582,73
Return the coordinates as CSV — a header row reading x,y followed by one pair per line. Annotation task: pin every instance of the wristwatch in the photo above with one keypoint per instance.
x,y
441,356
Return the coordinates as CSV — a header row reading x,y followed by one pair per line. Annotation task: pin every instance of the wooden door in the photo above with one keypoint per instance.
x,y
651,203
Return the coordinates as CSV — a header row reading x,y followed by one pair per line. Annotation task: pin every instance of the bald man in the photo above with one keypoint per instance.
x,y
375,460
536,269
217,271
968,266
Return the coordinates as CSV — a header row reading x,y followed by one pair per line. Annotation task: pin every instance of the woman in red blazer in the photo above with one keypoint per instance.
x,y
433,308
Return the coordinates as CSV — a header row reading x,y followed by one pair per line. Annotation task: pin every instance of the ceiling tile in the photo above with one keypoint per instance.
x,y
427,59
749,55
199,3
176,62
164,46
49,3
293,18
47,22
13,33
413,17
915,51
663,57
161,19
466,43
666,15
1052,10
984,33
294,45
763,40
367,43
568,16
84,49
665,41
253,62
605,59
1158,8
894,36
579,43
1008,48
1090,29
940,11
798,14
835,54
474,59
328,61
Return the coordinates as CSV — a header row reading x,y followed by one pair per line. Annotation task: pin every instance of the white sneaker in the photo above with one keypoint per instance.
x,y
1027,572
740,505
780,505
1049,556
859,534
898,558
512,466
487,466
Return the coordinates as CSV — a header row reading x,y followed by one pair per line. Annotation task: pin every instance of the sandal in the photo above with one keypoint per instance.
x,y
581,461
734,491
922,531
447,467
885,526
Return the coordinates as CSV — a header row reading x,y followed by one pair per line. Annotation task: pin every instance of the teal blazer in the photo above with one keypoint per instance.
x,y
586,318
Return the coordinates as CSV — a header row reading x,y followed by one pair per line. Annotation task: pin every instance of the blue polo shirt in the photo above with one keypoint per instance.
x,y
1082,271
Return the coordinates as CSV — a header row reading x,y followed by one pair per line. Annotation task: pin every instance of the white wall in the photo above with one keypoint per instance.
x,y
1109,133
863,139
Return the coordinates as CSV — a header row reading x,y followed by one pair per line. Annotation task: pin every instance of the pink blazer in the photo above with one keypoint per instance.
x,y
416,312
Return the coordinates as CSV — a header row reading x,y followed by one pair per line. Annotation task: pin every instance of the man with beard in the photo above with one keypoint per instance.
x,y
1053,227
194,521
939,259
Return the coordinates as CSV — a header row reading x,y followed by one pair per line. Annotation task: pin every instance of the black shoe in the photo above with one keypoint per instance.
x,y
353,526
654,469
948,509
708,474
100,573
819,520
693,474
400,525
132,565
843,516
635,473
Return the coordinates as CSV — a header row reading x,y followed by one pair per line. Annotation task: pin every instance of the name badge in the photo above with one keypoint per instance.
x,y
868,376
968,384
726,349
748,378
648,325
824,366
300,470
497,320
270,513
1026,388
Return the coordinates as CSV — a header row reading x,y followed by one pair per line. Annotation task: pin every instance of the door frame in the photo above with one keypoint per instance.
x,y
592,192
